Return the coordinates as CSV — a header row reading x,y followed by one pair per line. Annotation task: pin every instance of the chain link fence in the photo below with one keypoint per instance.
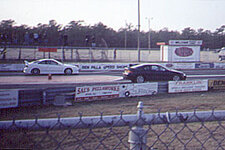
x,y
90,54
177,130
78,54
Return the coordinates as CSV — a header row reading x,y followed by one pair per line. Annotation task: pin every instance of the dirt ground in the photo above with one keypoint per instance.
x,y
165,102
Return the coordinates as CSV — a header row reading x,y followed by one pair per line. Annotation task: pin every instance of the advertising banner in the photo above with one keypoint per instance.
x,y
103,66
138,89
185,42
11,67
8,98
97,92
185,53
187,86
184,65
179,65
217,84
204,65
219,65
45,49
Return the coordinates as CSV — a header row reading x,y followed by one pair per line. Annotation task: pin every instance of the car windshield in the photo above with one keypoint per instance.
x,y
37,61
136,66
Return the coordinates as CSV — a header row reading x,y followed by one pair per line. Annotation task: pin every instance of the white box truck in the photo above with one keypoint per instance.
x,y
221,54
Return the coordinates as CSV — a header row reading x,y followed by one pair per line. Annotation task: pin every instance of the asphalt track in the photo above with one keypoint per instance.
x,y
19,80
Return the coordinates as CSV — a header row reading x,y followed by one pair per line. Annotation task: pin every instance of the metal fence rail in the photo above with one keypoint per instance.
x,y
178,130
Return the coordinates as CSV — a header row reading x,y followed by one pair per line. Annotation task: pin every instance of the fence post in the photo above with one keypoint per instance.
x,y
90,54
19,57
71,53
77,55
137,135
63,54
35,53
44,97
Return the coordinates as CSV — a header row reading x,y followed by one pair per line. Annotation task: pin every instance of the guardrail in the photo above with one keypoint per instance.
x,y
177,130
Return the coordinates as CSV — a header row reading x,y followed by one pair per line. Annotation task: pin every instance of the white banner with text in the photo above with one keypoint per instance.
x,y
97,92
187,86
105,66
8,98
138,89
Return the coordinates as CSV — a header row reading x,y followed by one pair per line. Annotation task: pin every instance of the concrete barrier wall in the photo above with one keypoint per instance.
x,y
47,96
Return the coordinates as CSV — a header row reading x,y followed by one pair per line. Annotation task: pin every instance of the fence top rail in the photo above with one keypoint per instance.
x,y
138,119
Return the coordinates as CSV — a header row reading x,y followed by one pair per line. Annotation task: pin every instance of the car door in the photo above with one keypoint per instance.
x,y
55,67
163,73
43,66
155,72
149,74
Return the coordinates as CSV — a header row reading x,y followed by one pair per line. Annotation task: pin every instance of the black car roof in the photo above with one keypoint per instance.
x,y
140,65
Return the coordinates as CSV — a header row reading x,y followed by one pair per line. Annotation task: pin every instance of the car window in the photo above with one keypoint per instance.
x,y
161,68
147,68
155,68
43,63
52,62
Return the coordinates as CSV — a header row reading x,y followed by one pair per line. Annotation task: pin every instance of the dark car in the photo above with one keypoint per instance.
x,y
151,72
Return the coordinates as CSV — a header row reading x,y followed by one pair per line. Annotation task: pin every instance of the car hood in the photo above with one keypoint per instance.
x,y
28,63
69,65
176,71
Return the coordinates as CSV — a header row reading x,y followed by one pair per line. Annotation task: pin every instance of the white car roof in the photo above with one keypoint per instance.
x,y
45,59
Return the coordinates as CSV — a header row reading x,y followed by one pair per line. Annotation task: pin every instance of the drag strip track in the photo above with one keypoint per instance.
x,y
56,81
19,80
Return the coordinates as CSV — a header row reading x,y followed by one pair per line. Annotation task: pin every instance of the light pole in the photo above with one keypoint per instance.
x,y
125,38
149,35
138,42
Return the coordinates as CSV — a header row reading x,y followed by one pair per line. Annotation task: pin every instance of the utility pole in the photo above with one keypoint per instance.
x,y
138,43
149,35
149,38
125,40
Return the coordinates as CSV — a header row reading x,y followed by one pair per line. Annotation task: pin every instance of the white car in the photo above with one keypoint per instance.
x,y
49,66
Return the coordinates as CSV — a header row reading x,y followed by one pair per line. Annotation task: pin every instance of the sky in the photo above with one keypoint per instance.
x,y
172,14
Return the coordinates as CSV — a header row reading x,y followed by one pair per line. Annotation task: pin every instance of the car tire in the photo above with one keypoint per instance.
x,y
140,79
176,78
68,71
35,71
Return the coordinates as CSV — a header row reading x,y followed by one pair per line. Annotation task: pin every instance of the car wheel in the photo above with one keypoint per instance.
x,y
220,59
176,78
68,71
140,79
35,71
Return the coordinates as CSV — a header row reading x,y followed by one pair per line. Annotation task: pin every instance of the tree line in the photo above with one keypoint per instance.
x,y
99,35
